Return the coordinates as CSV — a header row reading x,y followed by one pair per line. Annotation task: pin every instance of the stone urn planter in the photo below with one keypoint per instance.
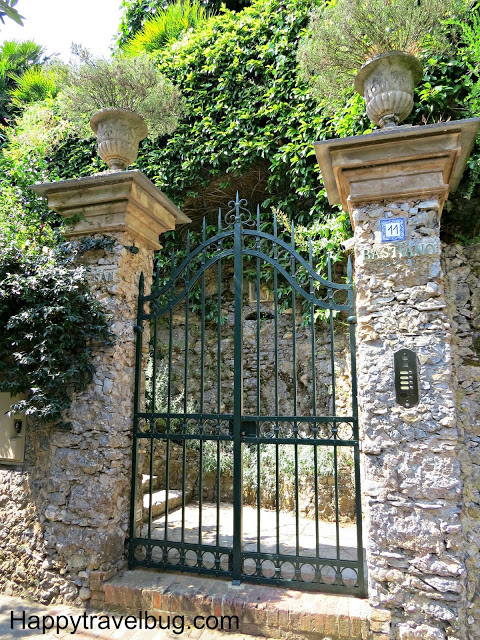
x,y
118,132
387,82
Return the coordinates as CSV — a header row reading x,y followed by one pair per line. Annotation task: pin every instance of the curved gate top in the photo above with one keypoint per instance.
x,y
246,451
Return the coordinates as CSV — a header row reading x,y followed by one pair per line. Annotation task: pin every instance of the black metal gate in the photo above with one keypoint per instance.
x,y
246,453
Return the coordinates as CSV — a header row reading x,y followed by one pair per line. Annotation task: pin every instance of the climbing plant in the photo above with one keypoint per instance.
x,y
50,321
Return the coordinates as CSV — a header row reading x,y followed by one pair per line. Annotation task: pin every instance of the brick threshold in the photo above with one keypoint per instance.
x,y
273,612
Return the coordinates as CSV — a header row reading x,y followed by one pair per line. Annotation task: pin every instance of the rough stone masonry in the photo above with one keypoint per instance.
x,y
412,481
65,512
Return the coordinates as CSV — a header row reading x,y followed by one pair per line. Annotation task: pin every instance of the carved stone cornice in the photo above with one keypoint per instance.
x,y
113,201
398,163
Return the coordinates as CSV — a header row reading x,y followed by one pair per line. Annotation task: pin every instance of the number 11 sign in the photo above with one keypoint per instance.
x,y
393,229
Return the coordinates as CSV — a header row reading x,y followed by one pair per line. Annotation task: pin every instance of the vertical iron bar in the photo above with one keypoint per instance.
x,y
153,407
219,370
314,403
169,406
257,242
185,389
295,423
334,413
202,383
238,399
275,304
356,453
332,336
136,407
169,401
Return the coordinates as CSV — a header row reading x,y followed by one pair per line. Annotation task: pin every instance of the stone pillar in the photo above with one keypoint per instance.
x,y
412,452
87,488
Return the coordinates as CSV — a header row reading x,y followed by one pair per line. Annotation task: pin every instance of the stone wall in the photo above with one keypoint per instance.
x,y
25,566
462,287
412,482
65,512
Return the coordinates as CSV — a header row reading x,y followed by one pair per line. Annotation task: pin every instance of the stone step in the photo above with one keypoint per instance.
x,y
272,612
159,502
146,482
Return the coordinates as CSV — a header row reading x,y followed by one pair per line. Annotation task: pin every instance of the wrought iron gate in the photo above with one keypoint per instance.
x,y
246,456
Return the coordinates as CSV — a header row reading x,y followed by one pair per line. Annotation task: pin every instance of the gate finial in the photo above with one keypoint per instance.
x,y
237,208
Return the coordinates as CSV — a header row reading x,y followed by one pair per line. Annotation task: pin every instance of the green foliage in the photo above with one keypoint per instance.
x,y
167,26
34,85
124,83
16,58
7,10
51,322
249,123
341,36
136,13
286,469
158,402
469,34
247,114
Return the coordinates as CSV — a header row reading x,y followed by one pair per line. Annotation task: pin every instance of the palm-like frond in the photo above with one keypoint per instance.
x,y
32,86
167,26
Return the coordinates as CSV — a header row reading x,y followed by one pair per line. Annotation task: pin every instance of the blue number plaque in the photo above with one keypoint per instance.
x,y
393,229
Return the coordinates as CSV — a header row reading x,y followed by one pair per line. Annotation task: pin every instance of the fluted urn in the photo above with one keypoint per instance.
x,y
387,82
119,132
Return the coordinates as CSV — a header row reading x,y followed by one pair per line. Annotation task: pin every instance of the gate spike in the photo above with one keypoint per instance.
x,y
310,255
188,242
329,265
237,208
349,270
293,234
204,230
141,284
258,217
275,223
219,220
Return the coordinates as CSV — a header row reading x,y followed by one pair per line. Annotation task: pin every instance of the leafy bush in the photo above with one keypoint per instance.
x,y
166,26
344,35
124,83
249,122
469,34
137,12
51,323
16,58
35,85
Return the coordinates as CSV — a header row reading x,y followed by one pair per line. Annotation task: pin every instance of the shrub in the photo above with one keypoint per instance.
x,y
342,36
50,320
137,12
167,26
34,85
134,83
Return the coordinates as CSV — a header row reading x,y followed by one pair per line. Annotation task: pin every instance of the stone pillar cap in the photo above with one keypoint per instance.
x,y
113,201
397,163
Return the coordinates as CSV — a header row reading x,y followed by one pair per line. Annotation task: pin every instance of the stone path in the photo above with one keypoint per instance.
x,y
35,615
268,540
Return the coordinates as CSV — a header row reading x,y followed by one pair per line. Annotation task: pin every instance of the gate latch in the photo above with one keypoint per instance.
x,y
249,427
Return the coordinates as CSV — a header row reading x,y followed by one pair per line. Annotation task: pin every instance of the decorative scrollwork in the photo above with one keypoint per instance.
x,y
238,212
